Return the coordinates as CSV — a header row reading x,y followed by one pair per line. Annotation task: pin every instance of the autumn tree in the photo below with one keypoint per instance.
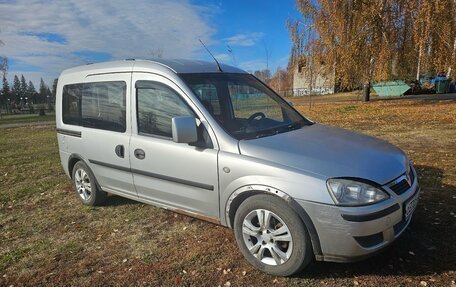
x,y
362,41
3,62
4,65
281,80
263,75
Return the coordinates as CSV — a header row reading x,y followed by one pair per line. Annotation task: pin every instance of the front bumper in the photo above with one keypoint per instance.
x,y
349,234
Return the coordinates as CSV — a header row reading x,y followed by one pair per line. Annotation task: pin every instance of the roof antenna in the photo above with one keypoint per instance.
x,y
218,65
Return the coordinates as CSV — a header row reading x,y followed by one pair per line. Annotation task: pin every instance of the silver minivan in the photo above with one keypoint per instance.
x,y
215,143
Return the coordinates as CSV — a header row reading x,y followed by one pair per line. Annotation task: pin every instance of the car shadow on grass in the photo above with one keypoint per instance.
x,y
426,247
115,200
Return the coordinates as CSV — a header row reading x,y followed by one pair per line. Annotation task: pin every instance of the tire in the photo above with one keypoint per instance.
x,y
86,186
281,246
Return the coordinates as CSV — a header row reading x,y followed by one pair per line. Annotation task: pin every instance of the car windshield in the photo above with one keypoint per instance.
x,y
244,106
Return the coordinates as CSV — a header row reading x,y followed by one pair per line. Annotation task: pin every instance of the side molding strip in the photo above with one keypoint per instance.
x,y
113,166
69,133
174,179
155,175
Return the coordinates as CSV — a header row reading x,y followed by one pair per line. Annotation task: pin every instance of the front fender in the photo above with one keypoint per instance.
x,y
238,171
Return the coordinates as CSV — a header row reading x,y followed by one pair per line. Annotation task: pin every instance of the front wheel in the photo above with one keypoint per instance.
x,y
271,236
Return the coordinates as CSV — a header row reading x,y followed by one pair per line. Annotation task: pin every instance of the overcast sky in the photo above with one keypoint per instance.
x,y
42,38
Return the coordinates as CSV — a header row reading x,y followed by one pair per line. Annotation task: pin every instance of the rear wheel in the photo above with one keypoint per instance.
x,y
271,236
85,185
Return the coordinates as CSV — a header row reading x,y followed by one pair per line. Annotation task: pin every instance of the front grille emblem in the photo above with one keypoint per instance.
x,y
408,177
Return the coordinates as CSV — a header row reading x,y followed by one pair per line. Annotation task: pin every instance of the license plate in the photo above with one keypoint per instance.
x,y
410,207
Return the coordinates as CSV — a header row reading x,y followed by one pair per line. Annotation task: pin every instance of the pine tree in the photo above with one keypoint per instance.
x,y
48,95
31,92
43,91
16,91
24,87
54,89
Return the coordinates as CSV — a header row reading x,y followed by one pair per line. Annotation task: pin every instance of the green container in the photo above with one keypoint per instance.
x,y
442,86
390,88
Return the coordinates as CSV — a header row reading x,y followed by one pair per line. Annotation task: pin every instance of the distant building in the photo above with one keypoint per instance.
x,y
311,81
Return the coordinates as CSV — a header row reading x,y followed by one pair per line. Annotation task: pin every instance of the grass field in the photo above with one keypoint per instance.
x,y
26,118
48,238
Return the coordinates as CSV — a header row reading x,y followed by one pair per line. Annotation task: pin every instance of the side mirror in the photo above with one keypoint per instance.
x,y
184,129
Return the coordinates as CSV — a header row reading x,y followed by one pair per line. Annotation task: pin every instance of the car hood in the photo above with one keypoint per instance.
x,y
330,152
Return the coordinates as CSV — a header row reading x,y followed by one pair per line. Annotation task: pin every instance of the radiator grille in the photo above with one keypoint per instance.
x,y
403,185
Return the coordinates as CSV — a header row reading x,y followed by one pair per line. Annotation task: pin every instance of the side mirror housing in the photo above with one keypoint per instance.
x,y
184,129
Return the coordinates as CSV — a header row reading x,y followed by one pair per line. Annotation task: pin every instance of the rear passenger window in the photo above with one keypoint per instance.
x,y
157,105
100,105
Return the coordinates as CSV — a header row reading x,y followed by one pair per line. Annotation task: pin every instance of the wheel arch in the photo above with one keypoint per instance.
x,y
73,159
241,194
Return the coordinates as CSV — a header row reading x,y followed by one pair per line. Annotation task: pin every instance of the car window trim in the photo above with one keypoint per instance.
x,y
81,122
188,95
195,114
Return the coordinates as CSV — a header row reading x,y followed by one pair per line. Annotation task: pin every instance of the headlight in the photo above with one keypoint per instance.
x,y
354,193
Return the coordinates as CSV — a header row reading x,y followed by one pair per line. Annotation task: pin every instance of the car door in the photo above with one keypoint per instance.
x,y
175,175
105,113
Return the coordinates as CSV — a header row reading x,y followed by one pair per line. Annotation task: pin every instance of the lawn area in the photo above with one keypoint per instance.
x,y
26,118
48,238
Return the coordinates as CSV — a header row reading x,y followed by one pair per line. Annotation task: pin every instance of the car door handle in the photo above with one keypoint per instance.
x,y
120,150
139,153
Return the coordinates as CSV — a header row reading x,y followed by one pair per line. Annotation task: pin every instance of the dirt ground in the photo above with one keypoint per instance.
x,y
48,238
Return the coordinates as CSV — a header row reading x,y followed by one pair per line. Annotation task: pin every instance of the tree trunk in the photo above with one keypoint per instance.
x,y
418,68
366,94
453,56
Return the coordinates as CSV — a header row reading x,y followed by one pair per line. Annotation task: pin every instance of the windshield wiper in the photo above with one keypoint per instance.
x,y
290,127
278,130
266,133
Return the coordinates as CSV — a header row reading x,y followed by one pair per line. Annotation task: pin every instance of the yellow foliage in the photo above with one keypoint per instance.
x,y
376,40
